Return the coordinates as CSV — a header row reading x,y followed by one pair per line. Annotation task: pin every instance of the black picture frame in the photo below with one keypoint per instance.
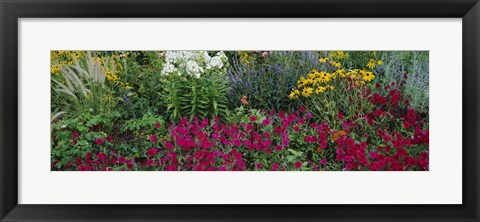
x,y
12,10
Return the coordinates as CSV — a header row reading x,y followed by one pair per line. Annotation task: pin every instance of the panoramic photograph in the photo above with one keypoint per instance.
x,y
239,110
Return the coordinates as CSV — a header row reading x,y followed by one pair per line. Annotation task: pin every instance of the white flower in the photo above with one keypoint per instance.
x,y
222,56
168,68
206,57
216,61
194,69
171,56
192,63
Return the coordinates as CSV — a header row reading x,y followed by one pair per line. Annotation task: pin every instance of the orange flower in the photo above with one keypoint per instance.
x,y
337,134
244,100
319,149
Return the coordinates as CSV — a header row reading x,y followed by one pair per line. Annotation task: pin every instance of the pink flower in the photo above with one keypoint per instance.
x,y
266,122
348,166
158,125
373,155
121,160
406,124
348,159
237,142
109,138
323,144
298,164
278,147
340,114
99,141
275,166
101,156
253,118
302,109
297,129
152,151
258,165
168,145
75,135
153,138
323,161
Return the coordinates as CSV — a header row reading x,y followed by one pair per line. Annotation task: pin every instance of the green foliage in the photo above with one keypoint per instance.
x,y
188,96
81,87
88,126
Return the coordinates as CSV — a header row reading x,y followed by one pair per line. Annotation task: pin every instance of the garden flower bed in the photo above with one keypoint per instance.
x,y
239,111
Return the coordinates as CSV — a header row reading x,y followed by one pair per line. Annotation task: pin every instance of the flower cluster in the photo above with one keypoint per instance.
x,y
279,141
192,63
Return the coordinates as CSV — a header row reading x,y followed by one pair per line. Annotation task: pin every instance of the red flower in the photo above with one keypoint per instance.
x,y
278,147
75,142
253,118
297,129
101,156
158,125
99,141
153,138
75,135
348,166
275,166
121,160
168,145
152,151
109,138
406,124
78,161
298,164
258,165
323,144
340,114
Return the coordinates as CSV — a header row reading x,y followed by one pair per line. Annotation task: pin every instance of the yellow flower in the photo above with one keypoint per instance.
x,y
371,64
360,83
323,59
125,85
379,62
301,81
336,64
307,91
77,54
324,79
55,69
330,87
341,54
320,89
340,72
294,94
368,76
